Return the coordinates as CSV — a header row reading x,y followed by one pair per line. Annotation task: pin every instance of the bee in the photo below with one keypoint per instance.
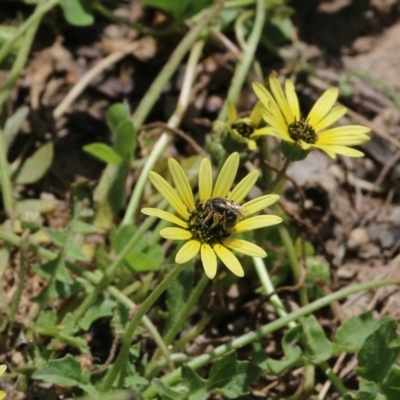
x,y
222,212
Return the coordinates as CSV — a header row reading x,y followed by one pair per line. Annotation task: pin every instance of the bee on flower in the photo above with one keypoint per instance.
x,y
282,112
208,223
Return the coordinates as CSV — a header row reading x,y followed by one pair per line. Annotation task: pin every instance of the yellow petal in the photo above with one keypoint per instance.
x,y
155,212
278,124
281,99
343,150
349,135
205,179
229,259
263,94
2,395
335,114
226,176
168,193
242,189
256,114
328,149
292,100
260,221
232,114
209,260
244,247
251,144
260,203
187,251
323,106
182,184
175,233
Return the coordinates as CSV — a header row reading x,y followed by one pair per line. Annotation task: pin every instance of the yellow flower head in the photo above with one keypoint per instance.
x,y
244,130
2,370
282,112
207,224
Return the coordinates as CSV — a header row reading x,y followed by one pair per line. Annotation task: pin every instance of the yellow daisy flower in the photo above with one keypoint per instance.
x,y
207,224
244,130
282,112
2,370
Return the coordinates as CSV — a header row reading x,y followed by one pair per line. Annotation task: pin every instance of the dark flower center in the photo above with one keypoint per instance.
x,y
213,219
301,130
243,129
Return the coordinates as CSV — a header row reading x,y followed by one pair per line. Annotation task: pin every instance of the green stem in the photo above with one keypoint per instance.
x,y
121,360
15,240
163,140
5,180
247,57
32,21
154,92
21,277
267,329
294,264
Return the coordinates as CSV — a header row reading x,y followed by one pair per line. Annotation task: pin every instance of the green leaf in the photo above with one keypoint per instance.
x,y
317,347
376,355
197,386
167,393
116,114
78,12
351,333
120,319
36,166
46,319
179,10
232,378
102,308
15,121
66,372
125,140
103,152
139,262
391,385
134,382
39,205
56,268
291,351
317,270
84,228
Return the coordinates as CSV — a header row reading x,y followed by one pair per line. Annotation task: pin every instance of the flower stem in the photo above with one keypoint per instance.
x,y
5,181
269,328
121,360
